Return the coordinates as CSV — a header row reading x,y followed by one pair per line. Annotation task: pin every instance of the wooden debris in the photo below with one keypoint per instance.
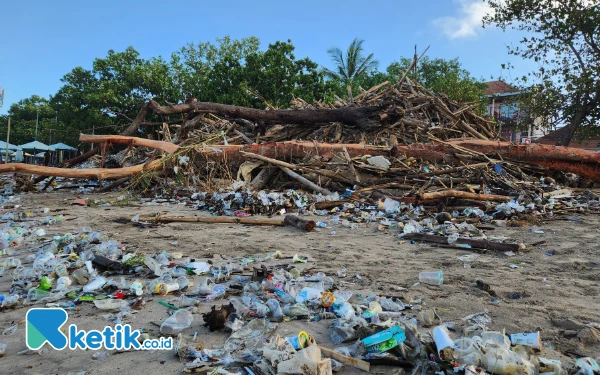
x,y
476,244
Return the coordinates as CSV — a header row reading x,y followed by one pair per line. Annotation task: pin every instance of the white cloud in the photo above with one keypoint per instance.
x,y
467,23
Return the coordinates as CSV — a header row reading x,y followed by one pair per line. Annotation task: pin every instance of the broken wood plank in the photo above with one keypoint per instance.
x,y
349,361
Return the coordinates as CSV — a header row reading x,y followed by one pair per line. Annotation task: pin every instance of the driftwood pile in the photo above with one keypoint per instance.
x,y
394,140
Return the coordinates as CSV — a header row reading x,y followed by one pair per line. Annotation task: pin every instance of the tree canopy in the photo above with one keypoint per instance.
x,y
231,71
563,37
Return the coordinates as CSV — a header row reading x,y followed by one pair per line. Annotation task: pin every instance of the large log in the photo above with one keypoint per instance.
x,y
346,115
476,244
99,173
464,195
167,147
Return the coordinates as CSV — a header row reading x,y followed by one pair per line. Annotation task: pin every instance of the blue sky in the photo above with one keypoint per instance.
x,y
42,40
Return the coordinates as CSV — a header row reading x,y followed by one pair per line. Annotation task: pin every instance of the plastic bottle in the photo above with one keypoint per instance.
x,y
275,308
137,288
110,304
61,270
180,320
165,288
95,284
63,282
217,292
81,276
10,300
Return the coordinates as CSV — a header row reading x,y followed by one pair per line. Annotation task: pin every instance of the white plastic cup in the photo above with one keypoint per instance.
x,y
532,340
432,278
441,338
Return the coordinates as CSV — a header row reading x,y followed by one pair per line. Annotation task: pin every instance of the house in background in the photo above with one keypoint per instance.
x,y
515,124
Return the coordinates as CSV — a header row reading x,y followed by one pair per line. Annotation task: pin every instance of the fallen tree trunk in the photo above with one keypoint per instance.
x,y
346,115
98,173
290,220
477,244
298,222
463,195
582,162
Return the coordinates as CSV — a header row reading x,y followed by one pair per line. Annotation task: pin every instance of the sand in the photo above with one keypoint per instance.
x,y
559,294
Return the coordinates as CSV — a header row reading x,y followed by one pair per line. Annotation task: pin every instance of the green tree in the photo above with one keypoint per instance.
x,y
563,38
442,76
350,65
214,72
25,113
277,76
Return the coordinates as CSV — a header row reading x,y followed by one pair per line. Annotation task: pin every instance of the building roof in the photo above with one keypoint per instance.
x,y
499,87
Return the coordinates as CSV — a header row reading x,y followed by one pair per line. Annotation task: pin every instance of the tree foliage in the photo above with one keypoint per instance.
x,y
351,64
441,76
232,71
562,36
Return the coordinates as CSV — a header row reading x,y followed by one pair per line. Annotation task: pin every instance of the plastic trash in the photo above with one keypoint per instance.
x,y
379,161
344,309
443,342
370,315
165,288
432,278
81,276
185,301
2,348
492,339
10,330
283,296
218,291
100,356
532,340
110,304
275,309
385,340
180,320
389,304
311,295
137,288
199,268
46,283
95,284
63,282
61,270
154,266
297,310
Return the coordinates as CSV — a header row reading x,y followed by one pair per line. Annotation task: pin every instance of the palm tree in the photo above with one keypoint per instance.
x,y
352,65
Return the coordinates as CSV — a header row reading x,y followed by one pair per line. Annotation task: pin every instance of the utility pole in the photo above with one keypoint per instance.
x,y
37,120
7,140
